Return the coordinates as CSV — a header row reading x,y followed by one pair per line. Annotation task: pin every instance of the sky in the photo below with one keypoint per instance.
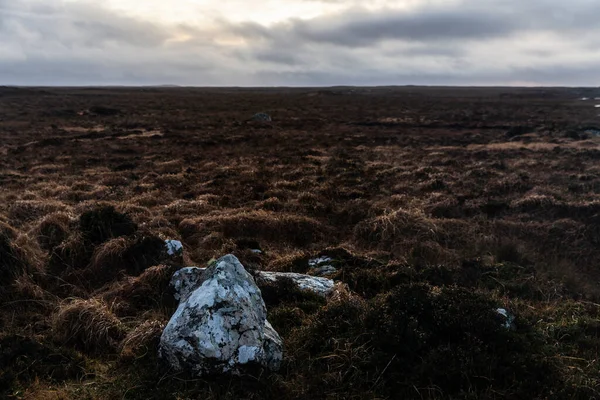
x,y
300,42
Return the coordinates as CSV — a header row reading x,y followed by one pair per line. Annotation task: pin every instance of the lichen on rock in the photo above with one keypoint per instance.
x,y
221,325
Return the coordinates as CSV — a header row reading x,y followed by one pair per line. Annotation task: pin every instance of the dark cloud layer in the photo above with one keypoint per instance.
x,y
469,42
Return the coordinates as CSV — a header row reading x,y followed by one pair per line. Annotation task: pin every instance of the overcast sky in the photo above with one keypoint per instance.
x,y
300,42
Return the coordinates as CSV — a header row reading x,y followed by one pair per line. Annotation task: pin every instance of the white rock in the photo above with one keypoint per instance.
x,y
508,318
315,262
256,251
318,285
174,247
221,325
185,281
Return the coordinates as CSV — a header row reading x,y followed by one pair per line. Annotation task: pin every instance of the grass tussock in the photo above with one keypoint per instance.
x,y
142,341
72,253
105,223
130,255
23,211
394,345
133,295
24,361
87,325
18,255
53,230
262,225
405,234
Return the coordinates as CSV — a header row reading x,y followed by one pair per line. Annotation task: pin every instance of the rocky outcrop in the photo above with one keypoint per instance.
x,y
188,279
220,325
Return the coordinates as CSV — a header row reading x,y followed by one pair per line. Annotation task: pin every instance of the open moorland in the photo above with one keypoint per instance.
x,y
438,206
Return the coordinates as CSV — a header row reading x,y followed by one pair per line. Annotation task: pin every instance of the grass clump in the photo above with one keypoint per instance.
x,y
53,230
131,255
102,224
87,325
17,255
398,232
133,295
264,225
143,340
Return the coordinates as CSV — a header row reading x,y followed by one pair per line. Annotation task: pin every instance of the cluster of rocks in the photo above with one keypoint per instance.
x,y
221,326
221,322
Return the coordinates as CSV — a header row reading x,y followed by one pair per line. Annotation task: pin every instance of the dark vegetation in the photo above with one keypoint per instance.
x,y
438,206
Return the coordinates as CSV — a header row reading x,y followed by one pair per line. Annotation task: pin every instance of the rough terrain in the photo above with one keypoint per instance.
x,y
437,206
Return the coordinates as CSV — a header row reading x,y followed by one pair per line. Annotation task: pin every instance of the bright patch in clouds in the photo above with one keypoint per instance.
x,y
201,11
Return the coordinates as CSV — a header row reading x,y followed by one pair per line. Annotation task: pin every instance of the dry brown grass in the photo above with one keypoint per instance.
x,y
142,340
23,211
18,255
262,225
53,229
72,253
133,295
398,232
88,325
426,197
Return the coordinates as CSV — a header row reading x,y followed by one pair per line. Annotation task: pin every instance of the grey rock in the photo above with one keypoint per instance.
x,y
262,117
509,319
318,285
174,247
221,325
316,262
324,270
185,281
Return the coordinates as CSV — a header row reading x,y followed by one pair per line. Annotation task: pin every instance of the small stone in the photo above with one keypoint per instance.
x,y
174,248
316,262
509,318
262,117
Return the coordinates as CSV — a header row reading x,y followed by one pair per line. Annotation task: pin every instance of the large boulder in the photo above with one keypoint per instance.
x,y
185,281
221,325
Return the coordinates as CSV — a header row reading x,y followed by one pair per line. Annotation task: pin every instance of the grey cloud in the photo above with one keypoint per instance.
x,y
468,44
77,24
468,21
363,30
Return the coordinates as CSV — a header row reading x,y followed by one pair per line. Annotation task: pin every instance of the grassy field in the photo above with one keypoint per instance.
x,y
439,205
